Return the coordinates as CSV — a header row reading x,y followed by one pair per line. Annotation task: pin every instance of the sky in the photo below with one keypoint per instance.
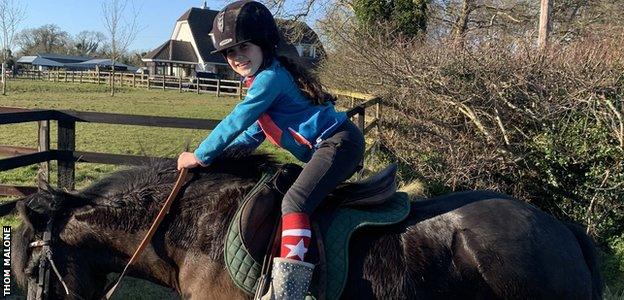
x,y
157,17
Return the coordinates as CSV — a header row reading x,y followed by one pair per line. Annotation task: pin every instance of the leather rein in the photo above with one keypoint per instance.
x,y
150,233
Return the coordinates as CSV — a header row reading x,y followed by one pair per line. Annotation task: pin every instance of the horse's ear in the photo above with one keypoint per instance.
x,y
22,210
7,207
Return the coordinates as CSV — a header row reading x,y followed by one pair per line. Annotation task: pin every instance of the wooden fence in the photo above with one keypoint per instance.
x,y
66,155
182,84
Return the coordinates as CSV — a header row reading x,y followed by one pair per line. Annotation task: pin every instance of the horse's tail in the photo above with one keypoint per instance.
x,y
591,258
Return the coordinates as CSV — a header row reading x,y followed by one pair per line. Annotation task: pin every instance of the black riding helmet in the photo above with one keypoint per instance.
x,y
245,21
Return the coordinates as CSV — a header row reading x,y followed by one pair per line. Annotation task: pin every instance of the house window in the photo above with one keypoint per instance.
x,y
306,50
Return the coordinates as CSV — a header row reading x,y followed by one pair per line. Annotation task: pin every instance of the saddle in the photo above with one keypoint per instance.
x,y
372,201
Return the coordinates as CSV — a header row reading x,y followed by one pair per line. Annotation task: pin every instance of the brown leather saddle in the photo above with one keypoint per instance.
x,y
261,212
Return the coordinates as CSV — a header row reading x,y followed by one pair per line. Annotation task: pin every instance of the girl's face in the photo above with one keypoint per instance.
x,y
245,59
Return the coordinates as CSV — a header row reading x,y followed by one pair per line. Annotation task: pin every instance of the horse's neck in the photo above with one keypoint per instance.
x,y
110,250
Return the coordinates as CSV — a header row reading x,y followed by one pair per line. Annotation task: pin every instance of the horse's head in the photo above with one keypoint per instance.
x,y
45,212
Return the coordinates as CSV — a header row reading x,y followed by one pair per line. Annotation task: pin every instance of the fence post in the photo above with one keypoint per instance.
x,y
66,147
197,85
148,83
164,81
65,74
121,79
133,80
43,175
180,84
81,76
218,87
361,125
240,90
57,75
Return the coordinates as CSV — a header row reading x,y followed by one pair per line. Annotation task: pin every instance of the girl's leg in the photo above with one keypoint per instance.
x,y
336,159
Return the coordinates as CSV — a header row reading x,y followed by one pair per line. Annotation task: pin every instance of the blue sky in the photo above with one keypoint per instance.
x,y
157,17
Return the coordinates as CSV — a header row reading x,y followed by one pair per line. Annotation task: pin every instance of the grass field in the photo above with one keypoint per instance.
x,y
120,139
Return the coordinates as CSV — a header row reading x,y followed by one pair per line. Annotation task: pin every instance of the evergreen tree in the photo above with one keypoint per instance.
x,y
409,17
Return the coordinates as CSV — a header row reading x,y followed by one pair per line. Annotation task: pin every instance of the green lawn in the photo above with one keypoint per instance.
x,y
120,139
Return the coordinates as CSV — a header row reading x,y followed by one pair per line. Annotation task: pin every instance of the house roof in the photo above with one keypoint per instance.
x,y
200,21
26,59
173,50
298,30
104,62
63,58
40,61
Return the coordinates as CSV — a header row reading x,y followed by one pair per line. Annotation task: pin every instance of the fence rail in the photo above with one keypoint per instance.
x,y
66,155
182,84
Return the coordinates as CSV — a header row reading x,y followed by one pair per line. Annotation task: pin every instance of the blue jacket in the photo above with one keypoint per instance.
x,y
276,109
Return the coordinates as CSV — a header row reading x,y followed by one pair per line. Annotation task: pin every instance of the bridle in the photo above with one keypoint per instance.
x,y
45,262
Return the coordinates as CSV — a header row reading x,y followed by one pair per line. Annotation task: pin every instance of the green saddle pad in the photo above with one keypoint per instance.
x,y
245,271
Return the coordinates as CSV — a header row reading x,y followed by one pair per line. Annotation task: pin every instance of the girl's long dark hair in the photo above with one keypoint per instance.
x,y
306,81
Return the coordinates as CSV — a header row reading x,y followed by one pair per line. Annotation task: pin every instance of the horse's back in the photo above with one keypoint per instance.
x,y
515,249
486,245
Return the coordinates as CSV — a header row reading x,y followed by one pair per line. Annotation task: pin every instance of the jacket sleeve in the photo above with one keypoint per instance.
x,y
260,96
250,139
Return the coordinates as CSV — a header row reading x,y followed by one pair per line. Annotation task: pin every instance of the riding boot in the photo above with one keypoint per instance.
x,y
290,279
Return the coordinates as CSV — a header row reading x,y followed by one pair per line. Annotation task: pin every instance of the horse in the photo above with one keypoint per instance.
x,y
464,245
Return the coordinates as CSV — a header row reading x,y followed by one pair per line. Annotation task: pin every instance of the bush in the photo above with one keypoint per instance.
x,y
545,127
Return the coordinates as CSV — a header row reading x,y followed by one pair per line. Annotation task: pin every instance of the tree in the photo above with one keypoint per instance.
x,y
10,16
45,39
408,17
122,30
87,43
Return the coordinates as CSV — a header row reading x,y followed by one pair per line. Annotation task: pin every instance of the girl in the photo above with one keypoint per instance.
x,y
286,105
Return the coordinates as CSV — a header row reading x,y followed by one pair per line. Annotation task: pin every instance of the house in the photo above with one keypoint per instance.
x,y
188,52
47,61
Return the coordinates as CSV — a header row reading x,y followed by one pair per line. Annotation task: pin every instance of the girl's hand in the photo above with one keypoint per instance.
x,y
187,160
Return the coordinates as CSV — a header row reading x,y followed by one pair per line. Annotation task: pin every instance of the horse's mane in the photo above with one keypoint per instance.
x,y
163,171
129,200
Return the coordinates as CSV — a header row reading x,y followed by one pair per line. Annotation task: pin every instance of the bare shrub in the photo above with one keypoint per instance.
x,y
546,127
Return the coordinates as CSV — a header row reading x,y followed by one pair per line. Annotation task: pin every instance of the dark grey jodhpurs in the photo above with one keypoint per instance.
x,y
335,160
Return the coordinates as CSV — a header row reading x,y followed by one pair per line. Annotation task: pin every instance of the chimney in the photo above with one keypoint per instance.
x,y
205,5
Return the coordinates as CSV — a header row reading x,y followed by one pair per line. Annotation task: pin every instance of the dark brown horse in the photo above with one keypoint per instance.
x,y
464,245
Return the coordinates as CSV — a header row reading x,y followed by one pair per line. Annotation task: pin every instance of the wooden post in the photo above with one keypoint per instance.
x,y
218,87
65,75
240,90
148,83
164,81
66,147
197,85
361,125
545,24
180,84
81,73
43,175
133,80
57,75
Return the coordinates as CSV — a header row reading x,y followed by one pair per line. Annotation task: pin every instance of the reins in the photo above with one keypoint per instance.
x,y
150,233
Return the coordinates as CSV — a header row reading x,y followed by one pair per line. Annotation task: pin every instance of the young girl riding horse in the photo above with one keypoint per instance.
x,y
288,106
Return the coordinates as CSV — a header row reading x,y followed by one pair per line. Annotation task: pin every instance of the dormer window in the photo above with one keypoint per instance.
x,y
306,50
